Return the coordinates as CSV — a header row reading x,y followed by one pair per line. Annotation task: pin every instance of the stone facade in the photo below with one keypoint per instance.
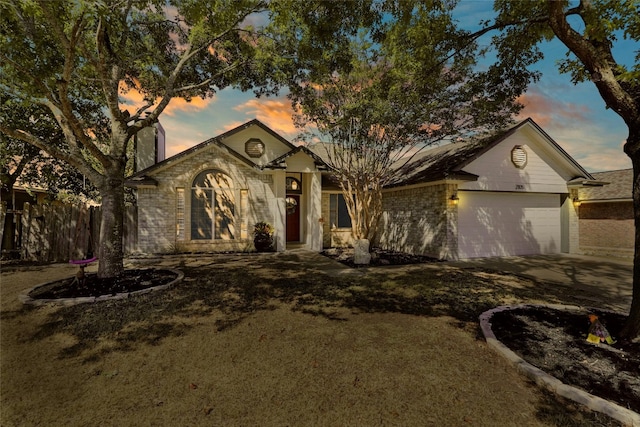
x,y
157,206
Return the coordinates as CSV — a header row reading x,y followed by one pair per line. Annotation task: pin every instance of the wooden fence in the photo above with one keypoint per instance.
x,y
60,232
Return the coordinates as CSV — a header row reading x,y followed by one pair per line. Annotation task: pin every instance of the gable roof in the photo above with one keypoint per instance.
x,y
142,178
277,162
448,161
620,186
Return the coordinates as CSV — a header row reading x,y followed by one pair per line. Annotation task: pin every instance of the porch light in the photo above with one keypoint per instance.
x,y
454,198
576,202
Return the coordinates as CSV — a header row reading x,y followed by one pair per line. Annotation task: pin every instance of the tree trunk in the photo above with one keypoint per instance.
x,y
110,252
631,329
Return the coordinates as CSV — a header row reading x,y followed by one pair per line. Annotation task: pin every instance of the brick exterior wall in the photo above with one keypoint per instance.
x,y
157,227
420,220
607,229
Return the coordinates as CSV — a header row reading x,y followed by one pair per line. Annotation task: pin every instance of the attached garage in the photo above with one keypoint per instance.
x,y
507,224
513,193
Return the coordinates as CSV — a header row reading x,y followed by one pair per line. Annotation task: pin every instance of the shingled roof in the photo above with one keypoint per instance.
x,y
620,186
447,161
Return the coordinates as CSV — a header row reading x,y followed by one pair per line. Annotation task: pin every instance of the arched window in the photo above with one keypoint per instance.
x,y
213,206
293,185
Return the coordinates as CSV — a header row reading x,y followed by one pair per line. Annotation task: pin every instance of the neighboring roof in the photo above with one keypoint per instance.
x,y
620,186
448,161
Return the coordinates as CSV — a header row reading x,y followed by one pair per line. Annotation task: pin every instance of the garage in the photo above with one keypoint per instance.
x,y
508,224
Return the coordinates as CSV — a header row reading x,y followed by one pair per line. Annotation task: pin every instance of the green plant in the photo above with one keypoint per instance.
x,y
263,236
262,229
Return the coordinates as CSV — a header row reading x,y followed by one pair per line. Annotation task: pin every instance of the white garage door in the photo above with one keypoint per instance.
x,y
504,224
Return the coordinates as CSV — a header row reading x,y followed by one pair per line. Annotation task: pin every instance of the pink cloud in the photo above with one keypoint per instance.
x,y
276,113
180,104
546,111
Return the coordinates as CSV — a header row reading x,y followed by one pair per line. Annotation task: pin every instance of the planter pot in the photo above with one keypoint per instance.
x,y
263,244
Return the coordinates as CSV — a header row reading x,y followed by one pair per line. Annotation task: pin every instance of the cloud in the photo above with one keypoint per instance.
x,y
545,110
591,138
276,113
592,148
134,99
181,104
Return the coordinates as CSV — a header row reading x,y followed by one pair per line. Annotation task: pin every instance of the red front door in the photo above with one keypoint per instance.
x,y
293,218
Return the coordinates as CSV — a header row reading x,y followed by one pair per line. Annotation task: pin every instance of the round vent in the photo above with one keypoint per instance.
x,y
254,148
519,156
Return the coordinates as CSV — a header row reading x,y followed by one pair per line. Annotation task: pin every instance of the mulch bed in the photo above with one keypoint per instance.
x,y
555,341
379,257
130,281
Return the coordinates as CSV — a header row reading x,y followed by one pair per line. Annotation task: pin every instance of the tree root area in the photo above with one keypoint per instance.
x,y
555,342
130,281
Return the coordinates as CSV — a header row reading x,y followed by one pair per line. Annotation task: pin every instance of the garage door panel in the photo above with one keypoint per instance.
x,y
505,224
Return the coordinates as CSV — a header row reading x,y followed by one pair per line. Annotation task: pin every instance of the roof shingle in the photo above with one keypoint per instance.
x,y
620,186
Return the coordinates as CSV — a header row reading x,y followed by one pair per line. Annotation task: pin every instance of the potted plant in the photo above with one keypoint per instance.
x,y
263,236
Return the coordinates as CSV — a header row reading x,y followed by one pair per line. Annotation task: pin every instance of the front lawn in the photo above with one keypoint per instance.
x,y
257,340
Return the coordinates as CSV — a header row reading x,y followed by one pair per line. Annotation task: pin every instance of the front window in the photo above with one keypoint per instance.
x,y
338,211
213,207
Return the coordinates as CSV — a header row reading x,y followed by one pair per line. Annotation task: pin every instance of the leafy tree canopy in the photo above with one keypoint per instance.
x,y
78,59
404,77
25,163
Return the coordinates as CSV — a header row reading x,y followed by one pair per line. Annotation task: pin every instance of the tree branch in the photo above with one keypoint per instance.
x,y
597,60
73,160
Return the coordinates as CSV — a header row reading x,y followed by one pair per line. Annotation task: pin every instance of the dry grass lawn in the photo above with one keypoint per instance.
x,y
258,341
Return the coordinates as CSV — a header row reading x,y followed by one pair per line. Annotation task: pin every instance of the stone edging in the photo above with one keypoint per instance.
x,y
541,378
27,300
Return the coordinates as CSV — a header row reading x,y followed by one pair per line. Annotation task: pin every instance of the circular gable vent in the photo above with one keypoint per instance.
x,y
254,147
519,156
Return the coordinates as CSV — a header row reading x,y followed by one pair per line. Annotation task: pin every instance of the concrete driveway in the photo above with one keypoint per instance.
x,y
610,276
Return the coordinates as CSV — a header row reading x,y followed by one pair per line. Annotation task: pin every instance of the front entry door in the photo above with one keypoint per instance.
x,y
293,218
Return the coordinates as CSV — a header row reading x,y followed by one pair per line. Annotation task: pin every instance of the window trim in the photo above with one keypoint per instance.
x,y
212,193
334,212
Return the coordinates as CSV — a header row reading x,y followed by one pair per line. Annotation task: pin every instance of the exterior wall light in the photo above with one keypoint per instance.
x,y
455,199
576,202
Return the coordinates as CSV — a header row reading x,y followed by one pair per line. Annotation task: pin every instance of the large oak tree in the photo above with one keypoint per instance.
x,y
590,30
77,59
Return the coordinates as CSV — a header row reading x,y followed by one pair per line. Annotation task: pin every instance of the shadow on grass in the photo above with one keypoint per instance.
x,y
230,292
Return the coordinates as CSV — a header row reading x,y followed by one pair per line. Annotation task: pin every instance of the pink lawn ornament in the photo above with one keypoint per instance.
x,y
82,263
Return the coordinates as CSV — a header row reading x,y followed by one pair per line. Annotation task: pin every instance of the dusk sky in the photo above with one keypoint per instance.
x,y
573,115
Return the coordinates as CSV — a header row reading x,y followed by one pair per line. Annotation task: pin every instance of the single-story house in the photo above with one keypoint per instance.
x,y
509,194
606,215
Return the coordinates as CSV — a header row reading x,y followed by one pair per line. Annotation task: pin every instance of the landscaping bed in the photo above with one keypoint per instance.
x,y
555,341
131,280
